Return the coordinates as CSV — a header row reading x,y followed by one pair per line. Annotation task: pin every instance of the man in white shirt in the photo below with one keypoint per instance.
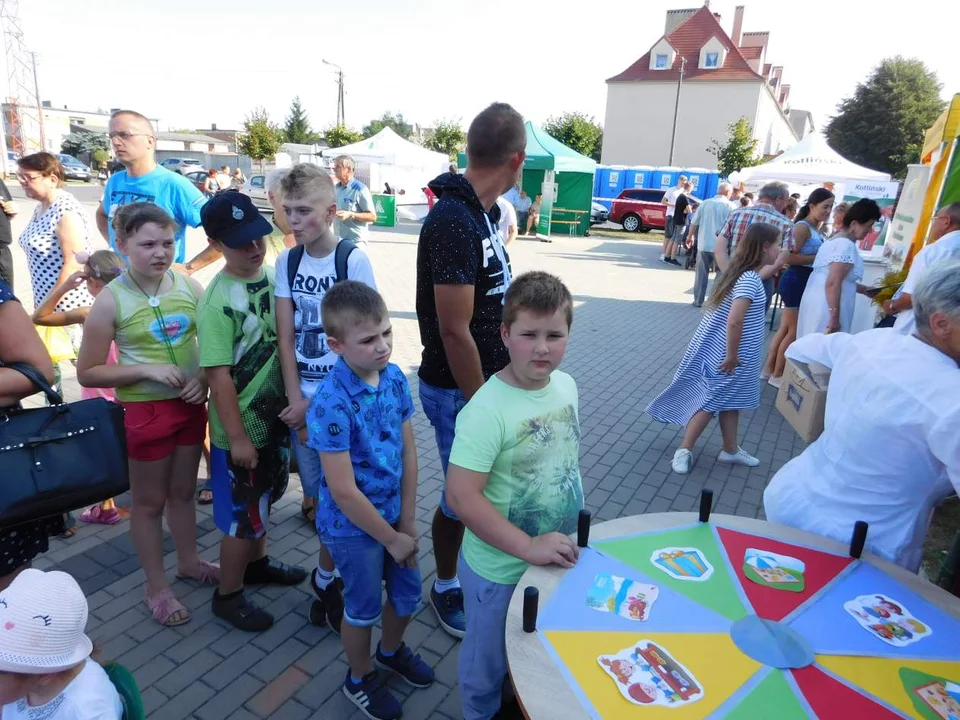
x,y
508,220
944,245
670,200
890,449
709,219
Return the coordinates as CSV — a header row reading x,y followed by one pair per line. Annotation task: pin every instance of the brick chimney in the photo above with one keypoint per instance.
x,y
737,25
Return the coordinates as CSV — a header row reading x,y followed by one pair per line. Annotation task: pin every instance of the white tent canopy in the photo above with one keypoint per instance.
x,y
388,148
811,160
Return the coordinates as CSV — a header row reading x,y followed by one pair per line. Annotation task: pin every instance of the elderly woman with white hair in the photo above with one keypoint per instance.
x,y
890,449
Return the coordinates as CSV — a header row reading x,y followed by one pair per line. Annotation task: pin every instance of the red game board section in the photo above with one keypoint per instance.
x,y
832,700
769,603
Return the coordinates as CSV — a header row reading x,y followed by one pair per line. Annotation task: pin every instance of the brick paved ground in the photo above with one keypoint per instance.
x,y
632,321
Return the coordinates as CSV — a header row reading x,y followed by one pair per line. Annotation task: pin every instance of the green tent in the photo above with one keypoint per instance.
x,y
573,174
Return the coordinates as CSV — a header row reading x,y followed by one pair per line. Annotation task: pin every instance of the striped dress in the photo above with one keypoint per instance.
x,y
698,383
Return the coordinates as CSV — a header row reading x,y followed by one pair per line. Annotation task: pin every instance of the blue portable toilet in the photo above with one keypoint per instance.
x,y
713,184
700,179
638,177
609,184
665,177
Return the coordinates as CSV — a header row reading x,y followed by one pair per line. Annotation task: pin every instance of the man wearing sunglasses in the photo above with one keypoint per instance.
x,y
142,180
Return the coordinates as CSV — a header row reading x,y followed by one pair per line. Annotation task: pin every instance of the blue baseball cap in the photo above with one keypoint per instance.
x,y
231,218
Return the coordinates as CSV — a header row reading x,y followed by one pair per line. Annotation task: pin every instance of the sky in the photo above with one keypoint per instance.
x,y
191,63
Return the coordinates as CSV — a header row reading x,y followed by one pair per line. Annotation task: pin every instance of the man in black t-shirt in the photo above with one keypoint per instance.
x,y
679,224
7,210
463,271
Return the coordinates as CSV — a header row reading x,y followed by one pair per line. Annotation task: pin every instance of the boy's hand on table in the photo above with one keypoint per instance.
x,y
552,549
409,527
401,547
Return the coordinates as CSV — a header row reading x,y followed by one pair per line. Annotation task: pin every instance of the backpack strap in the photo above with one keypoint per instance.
x,y
341,255
293,264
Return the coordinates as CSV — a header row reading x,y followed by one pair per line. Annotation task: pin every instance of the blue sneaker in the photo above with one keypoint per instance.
x,y
407,665
373,699
448,606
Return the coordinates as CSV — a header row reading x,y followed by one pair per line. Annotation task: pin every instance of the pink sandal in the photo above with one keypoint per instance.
x,y
164,607
209,574
97,515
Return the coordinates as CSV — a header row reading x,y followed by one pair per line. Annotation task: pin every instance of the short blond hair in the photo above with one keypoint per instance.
x,y
306,180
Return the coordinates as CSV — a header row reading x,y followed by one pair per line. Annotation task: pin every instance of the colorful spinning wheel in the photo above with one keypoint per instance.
x,y
667,617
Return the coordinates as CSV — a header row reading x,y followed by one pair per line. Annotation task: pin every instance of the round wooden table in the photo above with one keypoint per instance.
x,y
545,694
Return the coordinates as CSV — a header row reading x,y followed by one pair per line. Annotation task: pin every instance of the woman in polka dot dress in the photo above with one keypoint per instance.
x,y
58,230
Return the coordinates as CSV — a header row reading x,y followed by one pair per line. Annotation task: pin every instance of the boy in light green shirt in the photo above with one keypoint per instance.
x,y
514,478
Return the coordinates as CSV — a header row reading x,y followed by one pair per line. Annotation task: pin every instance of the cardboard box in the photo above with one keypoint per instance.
x,y
802,398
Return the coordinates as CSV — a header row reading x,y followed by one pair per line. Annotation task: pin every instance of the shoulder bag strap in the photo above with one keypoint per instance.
x,y
32,374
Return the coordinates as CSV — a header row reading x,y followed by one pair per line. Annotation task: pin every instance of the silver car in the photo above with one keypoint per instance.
x,y
181,165
254,187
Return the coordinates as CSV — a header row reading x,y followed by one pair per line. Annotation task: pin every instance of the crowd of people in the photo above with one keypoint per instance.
x,y
286,353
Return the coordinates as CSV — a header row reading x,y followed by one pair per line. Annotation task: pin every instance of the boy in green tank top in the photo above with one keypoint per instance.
x,y
250,445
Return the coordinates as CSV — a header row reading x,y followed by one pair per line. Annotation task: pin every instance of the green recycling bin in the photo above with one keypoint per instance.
x,y
386,207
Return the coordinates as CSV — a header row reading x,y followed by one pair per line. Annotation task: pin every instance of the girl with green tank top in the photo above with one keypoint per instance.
x,y
150,314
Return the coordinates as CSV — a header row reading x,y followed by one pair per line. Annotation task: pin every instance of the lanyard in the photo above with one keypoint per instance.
x,y
154,302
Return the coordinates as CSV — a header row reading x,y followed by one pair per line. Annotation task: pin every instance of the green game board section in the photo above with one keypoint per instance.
x,y
717,592
771,698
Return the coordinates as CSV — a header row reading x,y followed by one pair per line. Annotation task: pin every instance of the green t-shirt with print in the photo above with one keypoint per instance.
x,y
529,443
236,327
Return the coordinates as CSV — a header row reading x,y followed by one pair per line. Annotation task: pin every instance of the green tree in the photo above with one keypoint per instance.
x,y
739,149
882,124
260,139
297,126
340,135
448,137
396,122
84,143
577,131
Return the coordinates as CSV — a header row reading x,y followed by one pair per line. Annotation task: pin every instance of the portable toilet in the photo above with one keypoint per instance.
x,y
610,184
638,177
665,177
713,184
700,179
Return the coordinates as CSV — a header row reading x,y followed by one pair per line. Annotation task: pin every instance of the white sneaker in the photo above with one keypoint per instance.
x,y
682,460
740,457
775,381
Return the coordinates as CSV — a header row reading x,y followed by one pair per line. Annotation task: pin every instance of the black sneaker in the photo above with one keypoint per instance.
x,y
408,665
373,699
327,609
672,261
273,572
241,613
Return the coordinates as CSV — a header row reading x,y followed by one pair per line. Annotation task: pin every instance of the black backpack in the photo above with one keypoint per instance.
x,y
341,255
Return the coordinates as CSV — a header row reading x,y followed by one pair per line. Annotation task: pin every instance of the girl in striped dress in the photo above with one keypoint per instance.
x,y
720,372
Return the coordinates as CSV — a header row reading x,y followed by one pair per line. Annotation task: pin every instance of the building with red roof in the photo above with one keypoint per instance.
x,y
725,76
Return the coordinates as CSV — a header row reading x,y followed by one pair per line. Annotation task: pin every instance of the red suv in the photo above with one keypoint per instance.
x,y
639,210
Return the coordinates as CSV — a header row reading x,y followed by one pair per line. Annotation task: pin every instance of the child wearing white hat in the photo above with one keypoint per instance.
x,y
46,672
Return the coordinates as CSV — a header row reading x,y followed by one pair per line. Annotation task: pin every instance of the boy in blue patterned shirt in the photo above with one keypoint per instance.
x,y
359,422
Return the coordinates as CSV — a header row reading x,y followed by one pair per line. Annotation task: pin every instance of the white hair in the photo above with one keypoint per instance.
x,y
937,291
724,188
774,191
271,183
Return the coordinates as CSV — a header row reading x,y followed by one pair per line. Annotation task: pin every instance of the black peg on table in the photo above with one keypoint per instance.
x,y
706,504
583,528
531,601
859,538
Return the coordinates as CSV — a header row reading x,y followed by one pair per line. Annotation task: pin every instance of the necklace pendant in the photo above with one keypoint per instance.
x,y
153,301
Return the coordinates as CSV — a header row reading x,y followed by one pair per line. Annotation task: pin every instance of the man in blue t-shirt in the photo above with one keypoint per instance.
x,y
142,180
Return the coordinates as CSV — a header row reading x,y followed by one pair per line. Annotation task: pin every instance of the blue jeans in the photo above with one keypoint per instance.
x,y
364,566
441,406
483,651
308,466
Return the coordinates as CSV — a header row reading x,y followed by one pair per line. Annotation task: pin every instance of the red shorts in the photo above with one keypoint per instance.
x,y
155,428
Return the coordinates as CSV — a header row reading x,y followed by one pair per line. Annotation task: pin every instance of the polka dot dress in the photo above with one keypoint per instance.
x,y
21,544
40,241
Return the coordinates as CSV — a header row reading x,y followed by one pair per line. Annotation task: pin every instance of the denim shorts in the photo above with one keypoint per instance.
x,y
364,566
308,466
483,652
441,406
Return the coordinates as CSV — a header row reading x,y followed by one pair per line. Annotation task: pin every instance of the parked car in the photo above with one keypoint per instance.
x,y
255,188
639,210
73,169
181,165
598,214
198,178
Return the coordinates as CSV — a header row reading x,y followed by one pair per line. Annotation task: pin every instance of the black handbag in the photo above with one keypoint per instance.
x,y
59,458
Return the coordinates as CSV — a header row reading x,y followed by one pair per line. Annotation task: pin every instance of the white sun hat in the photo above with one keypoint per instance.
x,y
42,619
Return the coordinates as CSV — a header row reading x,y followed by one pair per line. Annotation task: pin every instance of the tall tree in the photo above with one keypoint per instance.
x,y
260,139
340,135
577,131
882,125
739,149
296,129
83,143
448,137
396,122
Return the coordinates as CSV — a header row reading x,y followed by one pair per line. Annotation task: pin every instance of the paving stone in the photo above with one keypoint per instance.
x,y
232,666
277,692
185,702
153,701
279,659
230,699
327,682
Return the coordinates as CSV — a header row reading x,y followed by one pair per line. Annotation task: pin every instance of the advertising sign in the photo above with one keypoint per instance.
x,y
906,220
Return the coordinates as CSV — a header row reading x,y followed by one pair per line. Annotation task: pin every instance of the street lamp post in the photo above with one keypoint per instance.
x,y
676,110
341,111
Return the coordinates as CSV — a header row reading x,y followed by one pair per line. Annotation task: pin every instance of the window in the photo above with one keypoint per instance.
x,y
661,62
711,60
256,181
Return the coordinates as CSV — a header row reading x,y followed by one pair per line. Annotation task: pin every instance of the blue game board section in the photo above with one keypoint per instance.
x,y
831,630
567,609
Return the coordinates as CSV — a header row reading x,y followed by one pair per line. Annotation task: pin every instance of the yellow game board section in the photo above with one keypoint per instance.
x,y
881,676
716,663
